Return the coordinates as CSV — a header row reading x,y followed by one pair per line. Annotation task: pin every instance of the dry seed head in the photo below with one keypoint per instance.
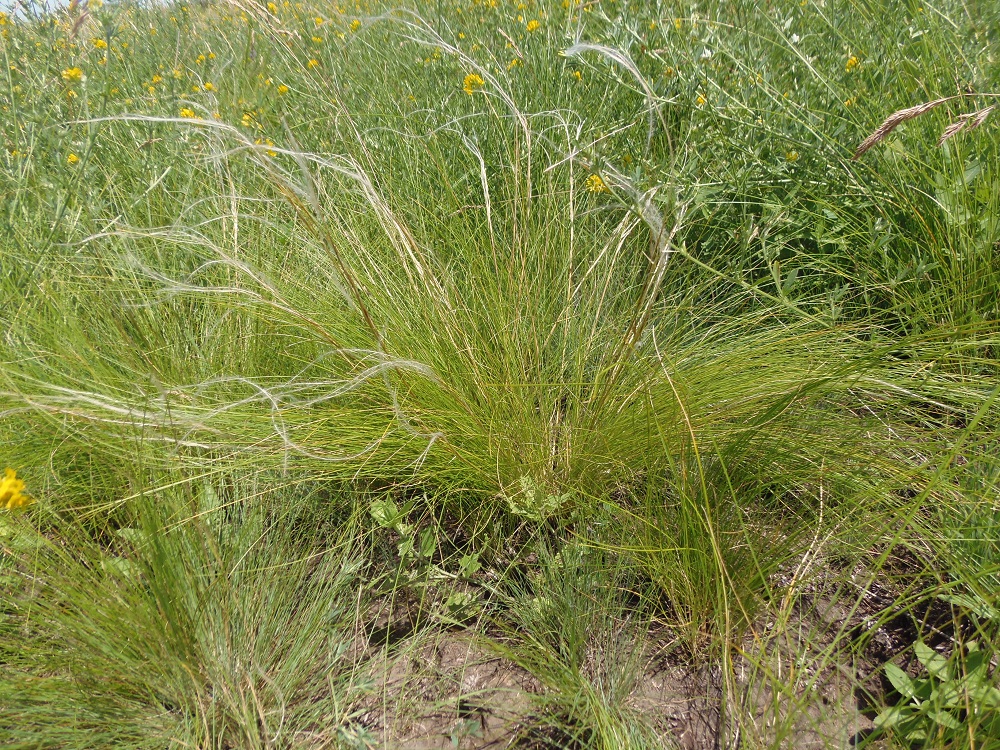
x,y
953,129
978,118
894,120
969,121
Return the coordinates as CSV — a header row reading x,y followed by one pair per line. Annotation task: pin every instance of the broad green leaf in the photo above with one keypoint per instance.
x,y
945,718
900,680
428,542
933,662
973,604
385,513
893,716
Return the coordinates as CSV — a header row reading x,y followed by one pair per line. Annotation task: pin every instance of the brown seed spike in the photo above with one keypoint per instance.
x,y
953,129
978,118
894,120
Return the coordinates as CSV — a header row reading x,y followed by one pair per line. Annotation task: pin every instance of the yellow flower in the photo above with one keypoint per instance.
x,y
578,75
272,7
850,102
852,63
461,35
318,20
472,83
209,86
317,40
282,89
533,25
71,159
595,184
269,142
157,78
100,44
72,74
791,156
71,94
678,23
196,88
355,24
188,113
200,59
211,55
151,89
313,63
513,63
701,100
10,490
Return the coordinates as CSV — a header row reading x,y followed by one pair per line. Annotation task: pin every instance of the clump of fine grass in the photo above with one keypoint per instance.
x,y
207,620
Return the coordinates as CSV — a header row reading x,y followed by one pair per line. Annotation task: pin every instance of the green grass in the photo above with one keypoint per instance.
x,y
319,350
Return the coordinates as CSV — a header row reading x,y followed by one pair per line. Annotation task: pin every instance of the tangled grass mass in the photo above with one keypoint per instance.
x,y
500,373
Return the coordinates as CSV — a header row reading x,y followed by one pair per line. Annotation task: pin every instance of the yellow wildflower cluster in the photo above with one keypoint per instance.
x,y
267,142
852,63
791,155
11,495
355,24
189,113
100,44
534,25
595,184
472,83
249,120
72,74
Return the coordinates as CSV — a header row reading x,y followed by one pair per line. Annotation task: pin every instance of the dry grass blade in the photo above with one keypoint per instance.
x,y
894,120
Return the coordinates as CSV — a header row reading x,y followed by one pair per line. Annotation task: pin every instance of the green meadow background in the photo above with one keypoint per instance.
x,y
566,331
